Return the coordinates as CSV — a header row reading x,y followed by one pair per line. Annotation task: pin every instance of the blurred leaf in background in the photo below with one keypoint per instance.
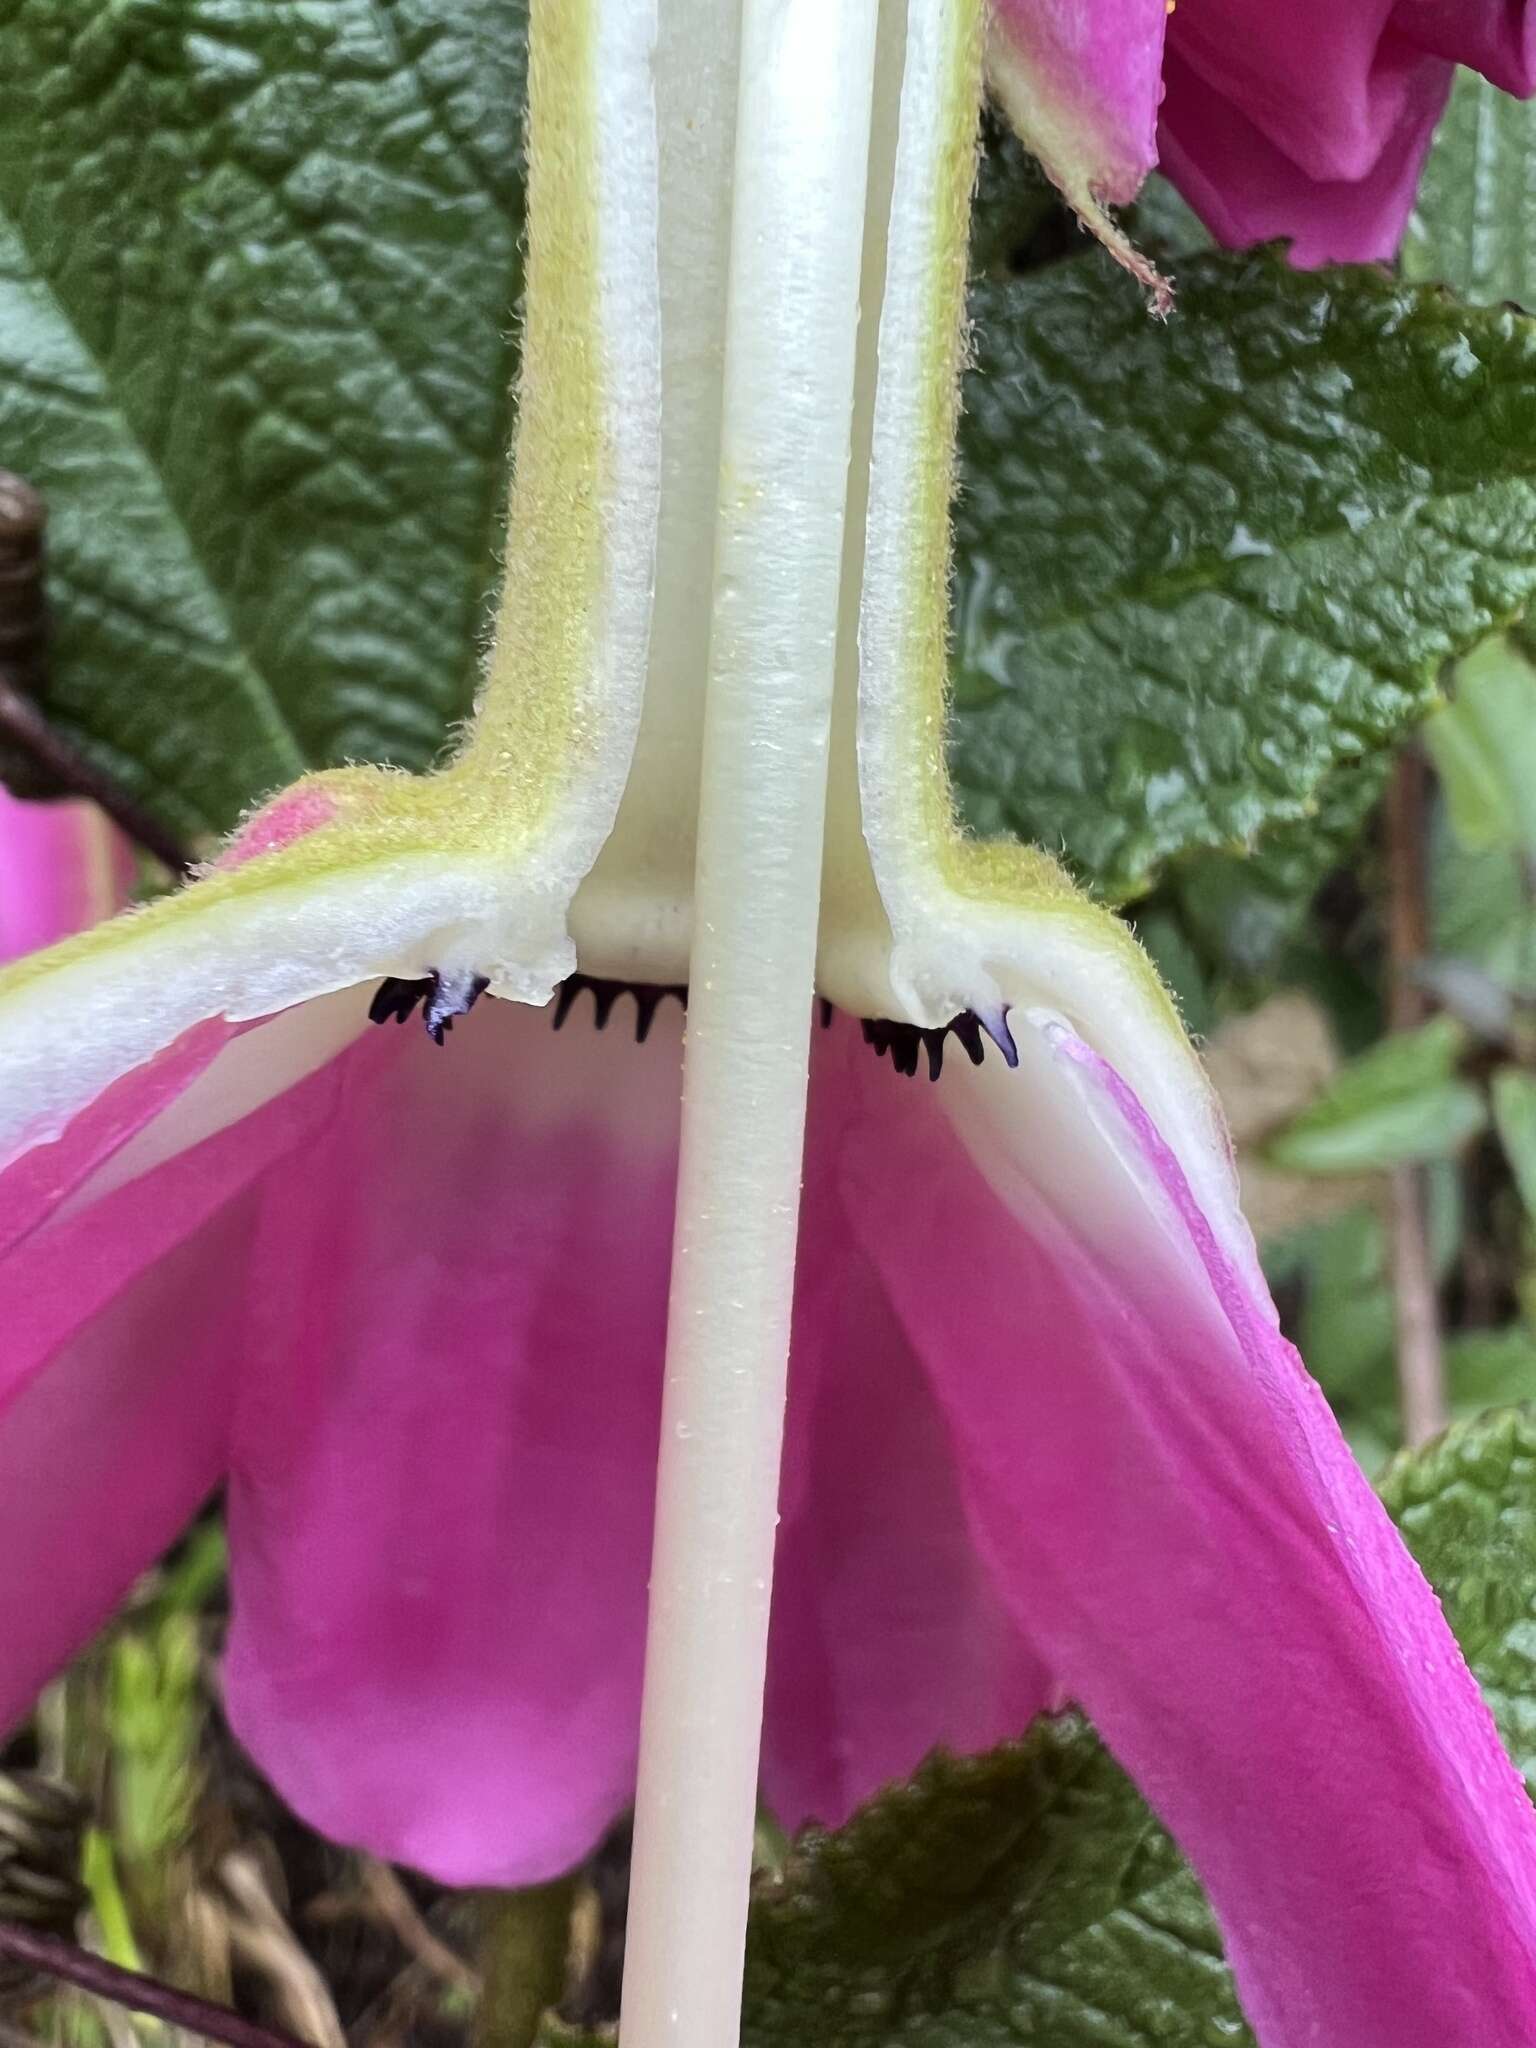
x,y
1483,744
1401,1102
1333,1275
1514,1117
1457,1092
1474,223
1484,748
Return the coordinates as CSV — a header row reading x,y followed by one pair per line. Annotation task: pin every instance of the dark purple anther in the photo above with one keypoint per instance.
x,y
904,1044
648,995
442,997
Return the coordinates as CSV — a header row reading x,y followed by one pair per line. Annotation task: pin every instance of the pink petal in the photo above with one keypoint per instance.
x,y
1081,86
444,1458
1247,187
1325,84
1095,72
293,814
420,1329
1169,1507
37,1180
117,1373
1496,37
61,868
889,1635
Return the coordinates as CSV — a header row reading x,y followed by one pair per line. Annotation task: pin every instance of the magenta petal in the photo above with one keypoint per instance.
x,y
1325,84
119,1353
1496,37
36,1181
889,1635
106,1454
61,868
1166,1499
1248,188
293,814
1093,74
444,1459
1081,85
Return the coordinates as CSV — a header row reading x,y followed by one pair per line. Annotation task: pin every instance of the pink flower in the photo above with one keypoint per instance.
x,y
1044,1441
1309,120
407,1302
61,868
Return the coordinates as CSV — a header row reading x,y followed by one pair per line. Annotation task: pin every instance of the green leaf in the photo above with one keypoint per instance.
x,y
1491,1369
1467,1508
1164,225
1201,564
276,475
1484,747
1028,1897
1245,913
1338,1266
1399,1102
1474,225
1015,201
1514,1118
258,267
1335,1273
1483,915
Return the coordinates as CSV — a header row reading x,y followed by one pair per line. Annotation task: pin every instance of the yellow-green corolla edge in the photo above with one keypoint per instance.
x,y
494,865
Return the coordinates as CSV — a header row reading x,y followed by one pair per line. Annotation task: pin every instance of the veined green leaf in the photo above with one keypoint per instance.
x,y
1200,565
1023,1896
1401,1101
258,273
1466,1505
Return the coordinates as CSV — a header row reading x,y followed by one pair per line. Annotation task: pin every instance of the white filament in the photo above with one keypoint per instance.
x,y
803,117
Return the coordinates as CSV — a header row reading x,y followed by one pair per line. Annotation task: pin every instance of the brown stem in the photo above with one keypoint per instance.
x,y
23,655
23,723
388,1898
77,1966
1416,1308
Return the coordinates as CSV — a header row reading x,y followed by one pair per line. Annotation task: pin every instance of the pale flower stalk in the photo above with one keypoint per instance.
x,y
409,1304
802,140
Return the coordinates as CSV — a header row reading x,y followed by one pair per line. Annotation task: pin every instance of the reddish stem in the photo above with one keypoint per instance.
x,y
23,723
1420,1356
23,653
71,1965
